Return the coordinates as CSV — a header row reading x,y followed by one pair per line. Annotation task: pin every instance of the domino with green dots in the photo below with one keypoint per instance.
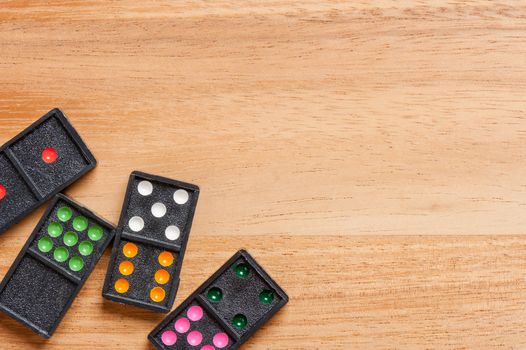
x,y
54,264
71,237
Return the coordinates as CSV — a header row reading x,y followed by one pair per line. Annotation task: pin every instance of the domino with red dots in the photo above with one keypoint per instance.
x,y
151,240
38,163
225,311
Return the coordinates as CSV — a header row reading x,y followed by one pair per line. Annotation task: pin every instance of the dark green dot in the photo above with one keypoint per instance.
x,y
45,244
95,233
61,254
70,238
242,270
76,263
266,296
80,223
64,214
54,229
239,321
215,294
85,248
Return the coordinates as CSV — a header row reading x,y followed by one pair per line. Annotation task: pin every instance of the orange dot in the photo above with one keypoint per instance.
x,y
166,259
157,294
162,276
130,250
122,286
126,268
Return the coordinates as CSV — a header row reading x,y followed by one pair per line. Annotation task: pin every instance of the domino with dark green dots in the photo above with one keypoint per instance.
x,y
54,264
225,311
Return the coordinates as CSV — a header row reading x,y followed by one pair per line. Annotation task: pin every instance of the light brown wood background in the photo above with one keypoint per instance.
x,y
371,156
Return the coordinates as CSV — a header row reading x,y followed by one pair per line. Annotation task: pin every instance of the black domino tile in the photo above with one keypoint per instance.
x,y
38,289
240,296
20,196
26,180
151,241
146,264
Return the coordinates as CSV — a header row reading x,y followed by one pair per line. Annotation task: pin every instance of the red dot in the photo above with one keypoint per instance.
x,y
49,155
3,192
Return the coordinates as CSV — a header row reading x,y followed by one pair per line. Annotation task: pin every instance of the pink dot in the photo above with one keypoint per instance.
x,y
208,347
221,340
195,313
169,338
194,338
182,325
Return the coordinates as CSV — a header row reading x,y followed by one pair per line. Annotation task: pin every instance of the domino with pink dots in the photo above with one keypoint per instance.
x,y
225,311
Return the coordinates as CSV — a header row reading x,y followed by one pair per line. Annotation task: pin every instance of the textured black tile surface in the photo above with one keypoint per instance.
x,y
37,293
164,231
19,196
48,177
39,288
240,295
26,178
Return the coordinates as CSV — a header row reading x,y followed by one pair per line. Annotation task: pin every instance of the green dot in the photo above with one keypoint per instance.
x,y
239,321
242,270
45,244
80,223
76,263
64,214
215,294
70,238
95,233
54,229
266,296
61,254
85,248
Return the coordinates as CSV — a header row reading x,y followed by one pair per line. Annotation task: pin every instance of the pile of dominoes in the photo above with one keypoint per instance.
x,y
149,245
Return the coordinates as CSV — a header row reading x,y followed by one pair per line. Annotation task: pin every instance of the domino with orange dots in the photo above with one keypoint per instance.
x,y
38,163
56,261
151,240
225,311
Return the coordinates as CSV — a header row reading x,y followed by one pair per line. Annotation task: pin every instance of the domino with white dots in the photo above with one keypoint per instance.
x,y
151,239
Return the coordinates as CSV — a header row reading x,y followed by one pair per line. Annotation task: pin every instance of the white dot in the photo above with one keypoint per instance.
x,y
181,196
158,210
172,232
145,188
136,223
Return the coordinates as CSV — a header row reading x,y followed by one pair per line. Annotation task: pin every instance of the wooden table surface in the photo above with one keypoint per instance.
x,y
371,157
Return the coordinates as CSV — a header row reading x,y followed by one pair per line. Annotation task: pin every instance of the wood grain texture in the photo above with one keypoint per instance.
x,y
370,156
